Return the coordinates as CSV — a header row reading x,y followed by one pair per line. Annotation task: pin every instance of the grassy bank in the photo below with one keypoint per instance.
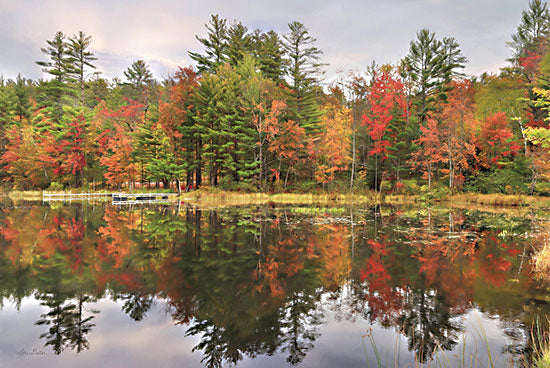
x,y
506,200
209,196
218,197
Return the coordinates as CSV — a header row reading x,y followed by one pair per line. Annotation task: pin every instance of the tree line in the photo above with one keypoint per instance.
x,y
257,113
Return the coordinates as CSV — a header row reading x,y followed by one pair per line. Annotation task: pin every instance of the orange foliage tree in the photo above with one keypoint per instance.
x,y
457,125
331,150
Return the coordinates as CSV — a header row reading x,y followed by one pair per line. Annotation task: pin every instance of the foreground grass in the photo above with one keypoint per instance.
x,y
214,196
541,264
478,355
221,198
506,200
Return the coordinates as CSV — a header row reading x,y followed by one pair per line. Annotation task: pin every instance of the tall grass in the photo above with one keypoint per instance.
x,y
483,358
541,346
214,197
541,263
491,199
506,200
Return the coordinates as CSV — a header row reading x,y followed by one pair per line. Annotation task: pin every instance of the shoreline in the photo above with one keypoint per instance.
x,y
222,197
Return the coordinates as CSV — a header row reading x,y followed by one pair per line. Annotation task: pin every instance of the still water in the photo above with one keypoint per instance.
x,y
92,285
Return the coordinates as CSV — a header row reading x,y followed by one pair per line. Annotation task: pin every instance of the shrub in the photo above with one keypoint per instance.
x,y
511,178
238,186
410,186
542,189
55,187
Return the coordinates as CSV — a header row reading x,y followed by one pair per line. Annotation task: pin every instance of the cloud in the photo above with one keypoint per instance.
x,y
351,33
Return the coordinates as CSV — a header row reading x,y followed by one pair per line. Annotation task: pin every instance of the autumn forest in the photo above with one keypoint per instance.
x,y
256,113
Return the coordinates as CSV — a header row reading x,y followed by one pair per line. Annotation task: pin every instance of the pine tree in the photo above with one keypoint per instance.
x,y
303,70
138,75
453,57
269,54
226,133
57,52
251,82
239,43
22,92
8,104
430,65
533,31
52,93
79,59
177,120
164,164
8,110
215,46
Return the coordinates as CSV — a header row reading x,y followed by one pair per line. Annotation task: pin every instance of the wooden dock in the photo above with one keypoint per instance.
x,y
117,198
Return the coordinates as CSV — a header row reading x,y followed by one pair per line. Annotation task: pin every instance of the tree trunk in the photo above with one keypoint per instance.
x,y
286,177
353,152
376,173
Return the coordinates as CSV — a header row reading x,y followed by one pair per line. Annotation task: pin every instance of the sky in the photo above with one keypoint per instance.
x,y
351,33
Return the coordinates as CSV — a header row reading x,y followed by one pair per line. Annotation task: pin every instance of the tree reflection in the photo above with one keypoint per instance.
x,y
67,324
255,281
426,321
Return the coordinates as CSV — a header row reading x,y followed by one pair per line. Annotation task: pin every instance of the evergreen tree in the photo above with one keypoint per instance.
x,y
430,65
453,57
177,120
146,148
8,110
215,45
239,43
303,70
139,77
226,133
138,74
247,160
96,89
22,92
79,59
57,52
8,104
52,93
164,165
533,31
269,54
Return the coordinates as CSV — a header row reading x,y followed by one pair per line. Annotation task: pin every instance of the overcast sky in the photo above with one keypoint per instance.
x,y
351,33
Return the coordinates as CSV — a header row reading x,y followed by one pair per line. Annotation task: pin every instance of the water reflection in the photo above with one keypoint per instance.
x,y
254,281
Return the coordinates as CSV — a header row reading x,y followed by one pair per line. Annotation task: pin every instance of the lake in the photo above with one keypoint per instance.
x,y
96,284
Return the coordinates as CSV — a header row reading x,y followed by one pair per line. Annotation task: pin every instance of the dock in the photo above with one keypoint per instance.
x,y
117,197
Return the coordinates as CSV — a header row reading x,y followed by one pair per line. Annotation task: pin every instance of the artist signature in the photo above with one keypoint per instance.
x,y
34,351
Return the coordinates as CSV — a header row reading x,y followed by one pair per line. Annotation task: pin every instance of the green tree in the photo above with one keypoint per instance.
x,y
303,69
8,111
139,78
239,43
453,56
22,91
532,32
57,53
79,59
215,46
52,93
430,65
177,119
8,104
227,134
269,54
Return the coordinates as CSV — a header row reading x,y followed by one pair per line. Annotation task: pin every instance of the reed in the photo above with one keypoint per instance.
x,y
492,199
227,198
541,263
478,358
